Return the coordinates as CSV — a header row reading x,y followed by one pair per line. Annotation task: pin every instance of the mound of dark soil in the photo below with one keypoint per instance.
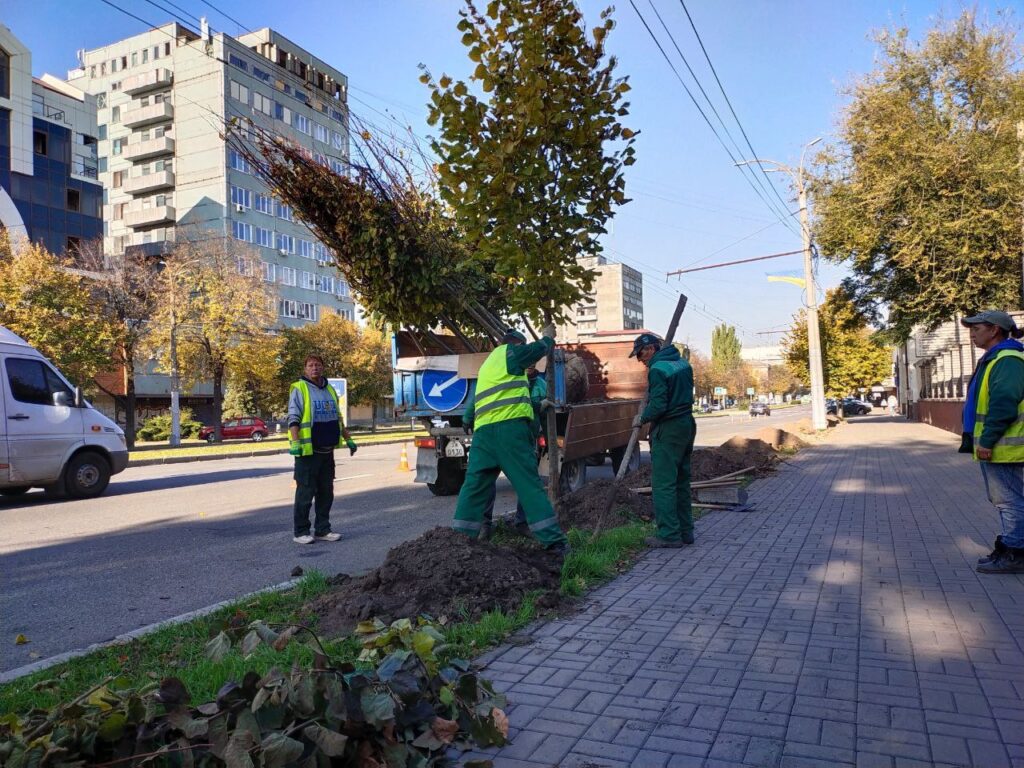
x,y
780,439
583,508
747,452
441,573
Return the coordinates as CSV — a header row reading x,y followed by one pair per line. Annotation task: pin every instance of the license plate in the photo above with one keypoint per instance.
x,y
454,449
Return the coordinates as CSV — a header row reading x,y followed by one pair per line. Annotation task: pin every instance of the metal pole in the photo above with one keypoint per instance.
x,y
1020,154
175,378
818,420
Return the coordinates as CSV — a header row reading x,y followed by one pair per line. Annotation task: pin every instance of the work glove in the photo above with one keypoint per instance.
x,y
294,448
549,331
467,428
352,447
545,404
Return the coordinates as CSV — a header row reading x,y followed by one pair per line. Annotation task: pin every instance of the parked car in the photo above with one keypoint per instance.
x,y
248,428
851,406
757,408
704,408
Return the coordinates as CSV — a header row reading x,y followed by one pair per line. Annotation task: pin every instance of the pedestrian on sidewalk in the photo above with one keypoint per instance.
x,y
670,412
315,428
993,422
893,404
503,441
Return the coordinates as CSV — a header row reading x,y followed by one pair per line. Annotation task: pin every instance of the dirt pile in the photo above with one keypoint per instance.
x,y
748,452
583,508
780,439
441,573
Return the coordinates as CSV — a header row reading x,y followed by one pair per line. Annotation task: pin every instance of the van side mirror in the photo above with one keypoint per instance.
x,y
63,399
79,400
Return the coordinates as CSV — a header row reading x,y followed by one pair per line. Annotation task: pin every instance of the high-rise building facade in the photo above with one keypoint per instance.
x,y
614,303
49,191
165,98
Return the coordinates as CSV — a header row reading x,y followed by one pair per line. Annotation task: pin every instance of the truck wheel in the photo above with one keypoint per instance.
x,y
18,490
86,475
634,460
572,477
450,478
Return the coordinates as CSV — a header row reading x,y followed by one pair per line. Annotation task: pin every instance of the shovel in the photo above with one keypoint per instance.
x,y
635,436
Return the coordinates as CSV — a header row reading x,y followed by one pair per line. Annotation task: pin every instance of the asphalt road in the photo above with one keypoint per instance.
x,y
169,539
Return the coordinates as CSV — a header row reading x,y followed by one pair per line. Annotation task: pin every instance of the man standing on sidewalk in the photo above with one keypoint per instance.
x,y
993,422
315,429
670,412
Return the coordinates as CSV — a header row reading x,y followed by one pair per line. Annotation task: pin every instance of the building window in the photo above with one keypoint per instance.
x,y
241,196
282,211
5,74
305,249
115,114
320,132
117,145
39,142
242,231
119,209
135,58
145,55
325,284
238,62
282,112
289,276
167,49
308,281
287,308
239,163
74,200
124,62
269,272
308,311
239,92
118,179
301,123
264,237
264,203
285,243
262,103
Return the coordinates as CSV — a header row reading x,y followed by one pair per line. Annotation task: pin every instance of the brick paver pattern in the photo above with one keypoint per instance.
x,y
839,623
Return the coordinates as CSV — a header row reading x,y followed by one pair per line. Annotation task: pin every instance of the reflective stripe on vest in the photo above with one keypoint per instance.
x,y
1009,449
499,395
306,425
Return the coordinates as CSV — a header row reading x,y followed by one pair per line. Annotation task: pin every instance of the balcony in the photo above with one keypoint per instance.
x,y
151,182
143,116
144,150
147,81
149,217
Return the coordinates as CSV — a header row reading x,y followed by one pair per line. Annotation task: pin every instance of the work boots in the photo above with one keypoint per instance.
x,y
1011,560
997,549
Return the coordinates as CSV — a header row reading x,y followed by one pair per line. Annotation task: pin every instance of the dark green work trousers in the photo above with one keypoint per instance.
x,y
314,478
671,449
506,446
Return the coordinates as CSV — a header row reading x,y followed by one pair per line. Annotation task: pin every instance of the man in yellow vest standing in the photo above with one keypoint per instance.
x,y
315,428
994,431
503,441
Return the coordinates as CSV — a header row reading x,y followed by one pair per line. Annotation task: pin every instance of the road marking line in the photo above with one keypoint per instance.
x,y
351,477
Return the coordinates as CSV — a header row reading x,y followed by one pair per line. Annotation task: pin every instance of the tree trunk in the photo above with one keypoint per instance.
x,y
218,402
128,355
552,431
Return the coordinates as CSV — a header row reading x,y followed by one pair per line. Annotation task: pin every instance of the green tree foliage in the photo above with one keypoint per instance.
x,y
361,355
50,306
922,195
223,313
851,355
725,346
158,428
524,146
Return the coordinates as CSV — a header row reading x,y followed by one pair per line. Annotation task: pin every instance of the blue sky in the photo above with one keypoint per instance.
x,y
783,63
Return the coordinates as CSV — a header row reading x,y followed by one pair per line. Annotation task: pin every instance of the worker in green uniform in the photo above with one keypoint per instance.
x,y
503,441
669,411
538,399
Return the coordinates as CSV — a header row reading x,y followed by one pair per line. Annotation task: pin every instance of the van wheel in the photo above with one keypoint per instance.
x,y
18,490
87,475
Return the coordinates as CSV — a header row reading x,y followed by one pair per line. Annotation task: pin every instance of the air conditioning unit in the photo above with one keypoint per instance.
x,y
283,251
239,207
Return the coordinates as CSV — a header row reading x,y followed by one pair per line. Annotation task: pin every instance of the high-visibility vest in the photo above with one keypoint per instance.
x,y
500,396
306,425
1010,447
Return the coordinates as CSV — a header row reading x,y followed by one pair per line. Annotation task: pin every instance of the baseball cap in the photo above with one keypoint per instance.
x,y
992,317
513,335
643,340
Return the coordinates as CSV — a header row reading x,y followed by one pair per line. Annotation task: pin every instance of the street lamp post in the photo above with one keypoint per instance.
x,y
818,420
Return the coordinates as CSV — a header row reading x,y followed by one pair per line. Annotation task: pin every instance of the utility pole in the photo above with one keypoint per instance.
x,y
175,440
818,420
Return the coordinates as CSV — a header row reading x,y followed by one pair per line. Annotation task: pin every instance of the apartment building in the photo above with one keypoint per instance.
x,y
164,98
49,190
614,303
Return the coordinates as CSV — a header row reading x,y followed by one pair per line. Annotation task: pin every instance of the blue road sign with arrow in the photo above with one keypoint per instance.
x,y
443,390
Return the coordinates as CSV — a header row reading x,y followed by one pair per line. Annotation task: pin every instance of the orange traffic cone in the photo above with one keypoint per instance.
x,y
403,462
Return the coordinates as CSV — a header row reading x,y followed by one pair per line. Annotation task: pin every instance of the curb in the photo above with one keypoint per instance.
x,y
243,454
37,666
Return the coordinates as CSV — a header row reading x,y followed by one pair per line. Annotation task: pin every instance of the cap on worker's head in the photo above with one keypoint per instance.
x,y
512,336
644,340
992,317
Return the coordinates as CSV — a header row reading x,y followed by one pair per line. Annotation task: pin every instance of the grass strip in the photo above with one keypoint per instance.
x,y
178,650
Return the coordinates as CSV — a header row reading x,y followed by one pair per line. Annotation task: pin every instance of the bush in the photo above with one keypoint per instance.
x,y
158,428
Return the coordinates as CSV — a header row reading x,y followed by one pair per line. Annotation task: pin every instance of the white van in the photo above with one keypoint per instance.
x,y
49,436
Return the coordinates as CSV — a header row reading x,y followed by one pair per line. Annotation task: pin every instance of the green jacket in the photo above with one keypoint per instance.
x,y
519,358
669,387
1005,392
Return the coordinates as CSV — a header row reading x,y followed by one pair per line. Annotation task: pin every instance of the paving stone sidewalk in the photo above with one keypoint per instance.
x,y
841,623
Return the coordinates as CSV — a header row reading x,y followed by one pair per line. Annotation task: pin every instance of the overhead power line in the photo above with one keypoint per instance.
x,y
732,263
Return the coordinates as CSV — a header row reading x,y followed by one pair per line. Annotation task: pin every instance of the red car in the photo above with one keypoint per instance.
x,y
249,428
